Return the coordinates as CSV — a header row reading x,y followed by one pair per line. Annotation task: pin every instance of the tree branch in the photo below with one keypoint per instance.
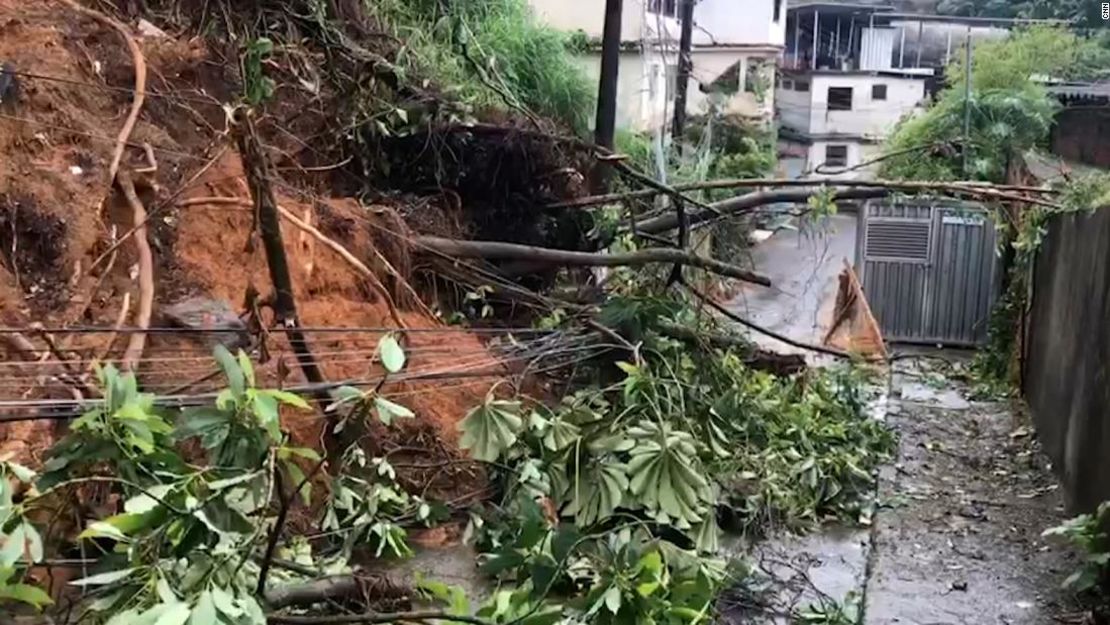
x,y
961,187
747,203
496,250
137,341
748,324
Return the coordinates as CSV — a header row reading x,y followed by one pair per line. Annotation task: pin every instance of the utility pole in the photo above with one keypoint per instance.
x,y
685,66
965,149
606,121
605,124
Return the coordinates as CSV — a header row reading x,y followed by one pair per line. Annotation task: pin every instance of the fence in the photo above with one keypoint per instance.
x,y
1066,365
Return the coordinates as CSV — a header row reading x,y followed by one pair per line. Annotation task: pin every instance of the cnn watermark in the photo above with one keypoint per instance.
x,y
1106,10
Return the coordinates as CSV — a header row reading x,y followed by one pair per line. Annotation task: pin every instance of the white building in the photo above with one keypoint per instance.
x,y
735,47
843,87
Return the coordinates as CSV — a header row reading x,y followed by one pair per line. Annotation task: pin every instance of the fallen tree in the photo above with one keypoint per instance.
x,y
962,187
747,203
496,250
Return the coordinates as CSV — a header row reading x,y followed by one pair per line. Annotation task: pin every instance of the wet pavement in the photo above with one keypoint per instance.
x,y
803,266
969,497
957,536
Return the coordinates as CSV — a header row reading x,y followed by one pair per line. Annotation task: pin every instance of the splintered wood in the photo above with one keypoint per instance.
x,y
854,329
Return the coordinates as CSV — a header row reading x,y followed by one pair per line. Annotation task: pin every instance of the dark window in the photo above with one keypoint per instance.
x,y
878,92
778,10
836,155
840,98
801,85
668,8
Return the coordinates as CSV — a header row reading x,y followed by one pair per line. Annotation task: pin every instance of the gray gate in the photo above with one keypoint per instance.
x,y
928,270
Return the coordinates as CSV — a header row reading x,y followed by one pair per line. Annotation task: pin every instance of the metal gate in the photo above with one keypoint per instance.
x,y
928,270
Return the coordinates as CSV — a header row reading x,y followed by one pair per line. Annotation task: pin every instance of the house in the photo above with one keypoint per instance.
x,y
734,50
844,84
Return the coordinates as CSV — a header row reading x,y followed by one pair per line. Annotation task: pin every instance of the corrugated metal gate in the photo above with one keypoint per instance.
x,y
928,270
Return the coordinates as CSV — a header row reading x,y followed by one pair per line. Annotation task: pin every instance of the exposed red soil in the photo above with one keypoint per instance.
x,y
56,143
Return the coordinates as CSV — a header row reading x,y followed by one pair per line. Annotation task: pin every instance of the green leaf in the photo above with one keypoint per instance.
x,y
101,529
103,579
266,410
145,502
344,395
388,411
612,599
490,429
247,368
176,614
297,480
21,473
226,603
15,546
24,593
204,612
235,380
393,357
286,397
232,481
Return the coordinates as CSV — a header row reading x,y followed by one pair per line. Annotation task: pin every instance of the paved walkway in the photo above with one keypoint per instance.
x,y
957,537
970,495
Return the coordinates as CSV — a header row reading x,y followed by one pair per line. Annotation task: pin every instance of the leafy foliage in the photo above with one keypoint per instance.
x,y
1088,532
1009,111
185,543
494,53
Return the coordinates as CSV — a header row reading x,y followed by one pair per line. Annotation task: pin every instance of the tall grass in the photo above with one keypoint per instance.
x,y
514,60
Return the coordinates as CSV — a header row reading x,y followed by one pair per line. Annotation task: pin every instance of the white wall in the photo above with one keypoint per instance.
x,y
808,112
723,22
726,22
857,153
711,64
588,16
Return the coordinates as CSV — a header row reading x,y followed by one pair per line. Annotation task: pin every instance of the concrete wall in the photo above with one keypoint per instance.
x,y
808,112
727,22
1080,135
1066,372
712,63
588,16
641,88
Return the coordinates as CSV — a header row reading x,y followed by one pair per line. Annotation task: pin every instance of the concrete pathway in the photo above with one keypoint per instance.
x,y
969,497
957,537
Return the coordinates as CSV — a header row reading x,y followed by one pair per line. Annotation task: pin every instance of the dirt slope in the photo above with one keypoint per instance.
x,y
58,212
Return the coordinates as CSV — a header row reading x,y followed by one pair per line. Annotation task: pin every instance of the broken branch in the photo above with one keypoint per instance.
x,y
256,167
137,341
760,329
496,250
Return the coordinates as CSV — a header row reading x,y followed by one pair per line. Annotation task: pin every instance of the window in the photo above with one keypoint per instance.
x,y
801,85
836,156
840,98
788,84
666,8
778,10
878,92
670,78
